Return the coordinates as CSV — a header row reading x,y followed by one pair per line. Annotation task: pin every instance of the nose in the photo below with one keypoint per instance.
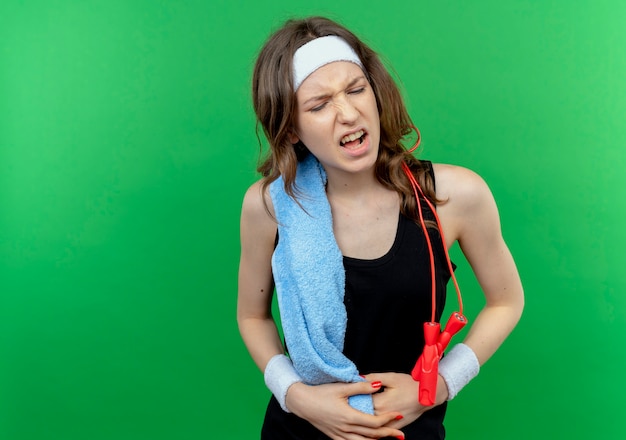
x,y
347,113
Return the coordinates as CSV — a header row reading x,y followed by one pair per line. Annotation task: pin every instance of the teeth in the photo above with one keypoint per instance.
x,y
351,137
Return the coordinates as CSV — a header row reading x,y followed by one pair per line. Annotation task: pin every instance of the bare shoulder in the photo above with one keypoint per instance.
x,y
257,199
459,185
257,213
467,205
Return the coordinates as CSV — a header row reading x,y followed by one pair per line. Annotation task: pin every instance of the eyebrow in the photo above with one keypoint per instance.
x,y
320,97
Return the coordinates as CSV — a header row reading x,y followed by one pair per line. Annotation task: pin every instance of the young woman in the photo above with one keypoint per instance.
x,y
341,226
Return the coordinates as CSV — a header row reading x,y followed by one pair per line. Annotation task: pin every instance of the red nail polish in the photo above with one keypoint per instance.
x,y
400,437
377,384
399,417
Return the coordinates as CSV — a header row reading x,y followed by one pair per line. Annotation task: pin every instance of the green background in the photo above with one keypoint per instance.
x,y
126,144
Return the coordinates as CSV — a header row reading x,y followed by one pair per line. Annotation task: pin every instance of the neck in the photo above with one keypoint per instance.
x,y
352,185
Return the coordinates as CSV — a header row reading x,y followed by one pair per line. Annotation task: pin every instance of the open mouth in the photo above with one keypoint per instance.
x,y
353,140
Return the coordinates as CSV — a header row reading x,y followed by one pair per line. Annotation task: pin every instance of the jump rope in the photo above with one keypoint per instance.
x,y
426,368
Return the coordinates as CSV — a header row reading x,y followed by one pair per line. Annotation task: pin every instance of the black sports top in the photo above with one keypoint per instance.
x,y
387,301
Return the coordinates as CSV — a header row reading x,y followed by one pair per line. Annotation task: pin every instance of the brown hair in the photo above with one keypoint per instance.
x,y
275,106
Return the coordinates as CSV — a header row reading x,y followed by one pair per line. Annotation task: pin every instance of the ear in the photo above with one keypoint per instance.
x,y
293,138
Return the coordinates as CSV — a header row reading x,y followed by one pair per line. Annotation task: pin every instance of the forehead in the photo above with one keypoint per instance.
x,y
331,76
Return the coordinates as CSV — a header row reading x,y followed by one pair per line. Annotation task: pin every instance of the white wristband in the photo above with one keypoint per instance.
x,y
458,367
279,376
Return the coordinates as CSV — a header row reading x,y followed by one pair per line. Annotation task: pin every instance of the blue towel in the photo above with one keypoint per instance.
x,y
310,282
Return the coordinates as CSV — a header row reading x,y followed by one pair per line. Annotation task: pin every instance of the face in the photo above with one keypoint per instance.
x,y
338,118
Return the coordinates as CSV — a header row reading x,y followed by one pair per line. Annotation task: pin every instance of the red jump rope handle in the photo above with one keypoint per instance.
x,y
426,368
455,323
428,365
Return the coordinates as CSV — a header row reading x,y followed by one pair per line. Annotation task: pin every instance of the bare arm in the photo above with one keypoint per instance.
x,y
470,216
254,315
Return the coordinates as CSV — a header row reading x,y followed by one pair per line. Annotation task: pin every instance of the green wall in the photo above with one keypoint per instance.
x,y
127,141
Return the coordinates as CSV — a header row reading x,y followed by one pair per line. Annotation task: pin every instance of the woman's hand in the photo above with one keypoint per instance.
x,y
400,394
326,407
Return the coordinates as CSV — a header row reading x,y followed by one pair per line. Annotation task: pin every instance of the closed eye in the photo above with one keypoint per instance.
x,y
356,91
319,107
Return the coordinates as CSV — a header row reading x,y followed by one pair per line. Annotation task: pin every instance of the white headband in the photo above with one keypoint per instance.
x,y
318,53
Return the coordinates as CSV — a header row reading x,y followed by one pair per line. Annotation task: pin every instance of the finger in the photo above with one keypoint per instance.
x,y
376,433
360,432
375,376
385,378
391,417
369,421
352,389
368,424
397,422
